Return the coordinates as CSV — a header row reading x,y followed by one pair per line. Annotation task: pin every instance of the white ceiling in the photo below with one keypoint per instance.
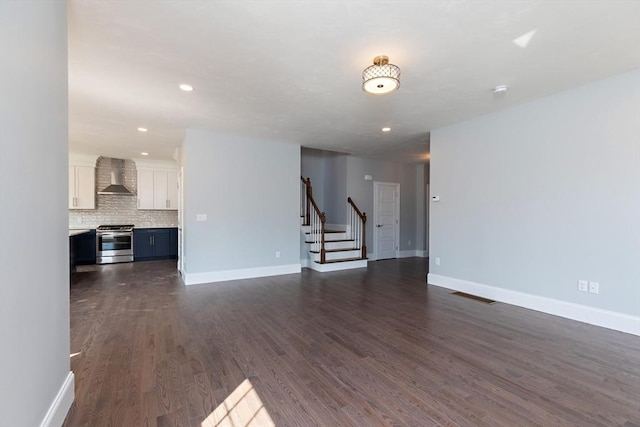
x,y
291,70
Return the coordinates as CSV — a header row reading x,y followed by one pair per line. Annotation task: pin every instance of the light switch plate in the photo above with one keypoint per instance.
x,y
201,217
583,286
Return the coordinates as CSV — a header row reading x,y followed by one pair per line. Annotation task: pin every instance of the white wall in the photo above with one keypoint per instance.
x,y
250,191
535,197
34,257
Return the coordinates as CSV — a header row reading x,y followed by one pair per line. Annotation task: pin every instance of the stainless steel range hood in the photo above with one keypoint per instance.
x,y
116,187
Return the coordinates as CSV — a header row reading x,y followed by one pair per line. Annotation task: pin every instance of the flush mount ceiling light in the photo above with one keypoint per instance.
x,y
186,87
501,88
144,154
386,129
142,129
381,77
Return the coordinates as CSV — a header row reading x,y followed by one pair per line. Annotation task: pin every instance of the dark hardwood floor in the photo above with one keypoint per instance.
x,y
361,347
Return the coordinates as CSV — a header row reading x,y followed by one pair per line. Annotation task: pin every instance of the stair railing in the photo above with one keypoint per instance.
x,y
317,221
306,194
313,217
357,230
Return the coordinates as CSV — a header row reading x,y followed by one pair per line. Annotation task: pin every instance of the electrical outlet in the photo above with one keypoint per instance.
x,y
277,254
583,286
594,287
437,261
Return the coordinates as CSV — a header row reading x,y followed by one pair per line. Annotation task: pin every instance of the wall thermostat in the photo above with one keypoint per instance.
x,y
435,198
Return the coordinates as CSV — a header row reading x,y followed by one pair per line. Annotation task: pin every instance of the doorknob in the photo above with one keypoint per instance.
x,y
379,225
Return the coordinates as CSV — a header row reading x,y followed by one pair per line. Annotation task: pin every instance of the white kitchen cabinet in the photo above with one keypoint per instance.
x,y
157,189
145,190
82,187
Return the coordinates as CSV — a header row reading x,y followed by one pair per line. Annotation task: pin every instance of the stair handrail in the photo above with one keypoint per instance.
x,y
307,195
358,229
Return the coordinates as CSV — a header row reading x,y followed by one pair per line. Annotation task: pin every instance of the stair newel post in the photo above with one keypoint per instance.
x,y
323,218
364,240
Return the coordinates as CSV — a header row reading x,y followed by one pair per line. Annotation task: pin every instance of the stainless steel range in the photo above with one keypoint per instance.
x,y
114,243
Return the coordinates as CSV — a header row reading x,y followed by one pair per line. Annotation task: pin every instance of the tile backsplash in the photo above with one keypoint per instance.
x,y
112,209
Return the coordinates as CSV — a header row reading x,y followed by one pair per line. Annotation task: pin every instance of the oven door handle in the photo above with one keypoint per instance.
x,y
115,234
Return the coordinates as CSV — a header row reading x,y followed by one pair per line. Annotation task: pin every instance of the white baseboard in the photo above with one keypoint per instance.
x,y
582,313
243,273
338,266
410,254
60,406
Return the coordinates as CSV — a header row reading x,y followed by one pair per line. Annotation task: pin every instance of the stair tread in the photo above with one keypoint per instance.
x,y
333,261
329,231
332,241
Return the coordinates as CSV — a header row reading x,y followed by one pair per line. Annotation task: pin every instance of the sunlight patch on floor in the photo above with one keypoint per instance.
x,y
242,408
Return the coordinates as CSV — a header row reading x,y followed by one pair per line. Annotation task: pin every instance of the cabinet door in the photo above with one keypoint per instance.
x,y
85,248
85,187
72,187
142,244
145,190
172,190
162,243
160,189
174,242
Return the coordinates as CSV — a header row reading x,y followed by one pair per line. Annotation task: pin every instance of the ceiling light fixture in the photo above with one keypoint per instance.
x,y
501,88
144,154
381,77
142,129
186,87
386,129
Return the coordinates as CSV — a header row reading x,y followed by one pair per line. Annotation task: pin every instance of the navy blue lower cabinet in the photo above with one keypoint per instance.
x,y
84,248
155,243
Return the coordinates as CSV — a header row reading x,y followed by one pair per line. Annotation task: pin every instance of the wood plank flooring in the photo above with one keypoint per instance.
x,y
348,348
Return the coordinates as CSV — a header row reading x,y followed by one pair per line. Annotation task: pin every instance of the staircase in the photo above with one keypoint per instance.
x,y
341,248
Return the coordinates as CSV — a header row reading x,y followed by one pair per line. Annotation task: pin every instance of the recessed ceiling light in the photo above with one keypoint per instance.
x,y
186,87
142,129
144,154
386,129
501,88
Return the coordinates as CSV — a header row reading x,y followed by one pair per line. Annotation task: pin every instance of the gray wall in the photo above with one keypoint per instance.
x,y
335,188
34,287
535,197
250,190
361,192
312,167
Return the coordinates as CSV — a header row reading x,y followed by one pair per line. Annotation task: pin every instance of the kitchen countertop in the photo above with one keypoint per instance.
x,y
75,232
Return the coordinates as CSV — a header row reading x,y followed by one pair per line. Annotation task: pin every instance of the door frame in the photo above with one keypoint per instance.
x,y
375,217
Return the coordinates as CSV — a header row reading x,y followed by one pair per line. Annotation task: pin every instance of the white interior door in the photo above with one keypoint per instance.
x,y
386,205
